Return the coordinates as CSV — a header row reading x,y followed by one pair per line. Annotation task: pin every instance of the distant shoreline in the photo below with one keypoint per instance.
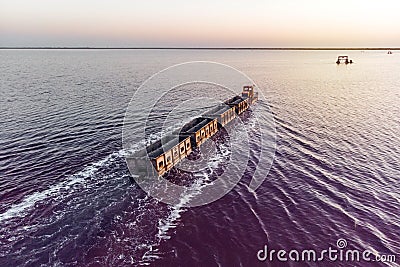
x,y
195,48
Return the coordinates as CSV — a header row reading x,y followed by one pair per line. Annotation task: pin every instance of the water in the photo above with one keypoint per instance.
x,y
66,197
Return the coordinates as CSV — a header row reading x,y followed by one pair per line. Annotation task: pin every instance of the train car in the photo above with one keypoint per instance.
x,y
169,151
199,130
241,104
223,113
163,154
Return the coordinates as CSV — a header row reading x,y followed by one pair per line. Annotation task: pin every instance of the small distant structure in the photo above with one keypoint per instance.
x,y
389,52
344,59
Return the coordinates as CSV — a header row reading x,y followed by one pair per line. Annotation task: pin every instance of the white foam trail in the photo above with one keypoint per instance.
x,y
164,225
171,221
20,209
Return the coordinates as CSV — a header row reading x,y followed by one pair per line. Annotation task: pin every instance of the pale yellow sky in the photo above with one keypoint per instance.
x,y
257,23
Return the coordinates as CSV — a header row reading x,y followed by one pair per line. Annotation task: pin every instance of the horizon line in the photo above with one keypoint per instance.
x,y
196,48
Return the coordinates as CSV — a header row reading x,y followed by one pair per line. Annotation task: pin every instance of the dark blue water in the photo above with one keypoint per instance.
x,y
65,194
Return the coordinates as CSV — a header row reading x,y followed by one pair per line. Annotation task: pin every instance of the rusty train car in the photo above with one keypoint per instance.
x,y
167,152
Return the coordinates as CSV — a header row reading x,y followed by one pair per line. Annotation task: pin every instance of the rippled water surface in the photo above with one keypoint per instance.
x,y
65,194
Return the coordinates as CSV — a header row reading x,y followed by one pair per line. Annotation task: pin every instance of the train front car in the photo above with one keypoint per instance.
x,y
248,92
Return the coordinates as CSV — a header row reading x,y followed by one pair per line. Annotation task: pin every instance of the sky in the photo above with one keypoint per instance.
x,y
200,23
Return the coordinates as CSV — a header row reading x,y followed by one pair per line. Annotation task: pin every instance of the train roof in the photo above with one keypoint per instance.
x,y
195,125
235,100
220,109
163,145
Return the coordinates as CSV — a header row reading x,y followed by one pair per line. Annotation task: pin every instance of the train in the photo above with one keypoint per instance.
x,y
172,148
